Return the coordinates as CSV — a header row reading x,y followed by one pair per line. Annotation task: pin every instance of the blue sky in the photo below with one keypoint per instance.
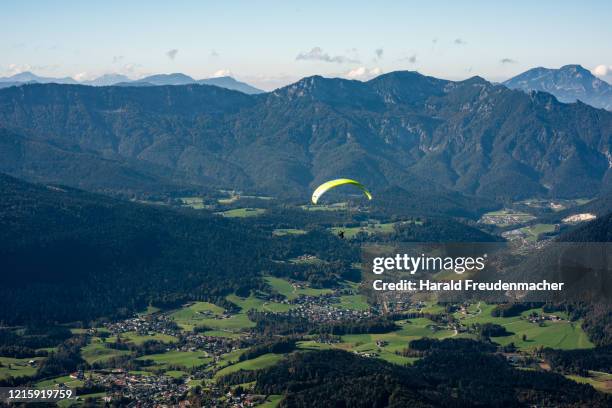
x,y
273,43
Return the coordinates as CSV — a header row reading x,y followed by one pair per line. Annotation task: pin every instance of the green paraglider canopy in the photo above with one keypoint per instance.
x,y
323,188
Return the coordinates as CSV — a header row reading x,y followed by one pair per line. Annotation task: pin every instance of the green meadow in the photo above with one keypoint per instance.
x,y
556,334
258,363
95,351
286,289
18,367
187,359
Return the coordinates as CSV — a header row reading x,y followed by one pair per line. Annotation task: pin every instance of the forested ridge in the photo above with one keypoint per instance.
x,y
457,377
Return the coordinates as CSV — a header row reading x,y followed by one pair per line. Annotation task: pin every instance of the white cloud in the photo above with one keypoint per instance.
x,y
172,53
363,73
602,70
133,71
118,58
317,54
221,73
82,76
14,69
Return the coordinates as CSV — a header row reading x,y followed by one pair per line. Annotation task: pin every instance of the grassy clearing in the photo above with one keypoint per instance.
x,y
97,397
279,232
370,229
233,198
95,351
534,231
242,212
18,367
393,342
600,381
230,358
209,315
55,382
325,207
196,311
221,333
559,335
135,338
198,314
271,402
555,334
285,288
258,363
149,311
175,373
187,359
353,302
233,323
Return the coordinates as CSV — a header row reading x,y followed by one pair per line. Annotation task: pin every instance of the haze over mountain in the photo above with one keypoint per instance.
x,y
122,80
399,129
107,80
29,77
568,84
182,79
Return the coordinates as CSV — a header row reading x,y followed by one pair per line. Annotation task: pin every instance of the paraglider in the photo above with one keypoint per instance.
x,y
325,187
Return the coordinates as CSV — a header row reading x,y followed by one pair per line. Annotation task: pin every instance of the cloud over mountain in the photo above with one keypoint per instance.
x,y
317,54
172,53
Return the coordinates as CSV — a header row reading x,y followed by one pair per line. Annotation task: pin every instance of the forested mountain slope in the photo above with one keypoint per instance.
x,y
400,129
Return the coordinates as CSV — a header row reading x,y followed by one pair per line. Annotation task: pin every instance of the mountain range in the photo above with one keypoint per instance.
x,y
568,84
122,80
462,138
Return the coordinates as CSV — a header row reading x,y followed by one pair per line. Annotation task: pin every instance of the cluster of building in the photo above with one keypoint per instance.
x,y
214,346
541,318
149,391
322,309
145,325
507,218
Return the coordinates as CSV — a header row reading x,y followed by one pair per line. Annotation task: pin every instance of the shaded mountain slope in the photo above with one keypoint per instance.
x,y
70,255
